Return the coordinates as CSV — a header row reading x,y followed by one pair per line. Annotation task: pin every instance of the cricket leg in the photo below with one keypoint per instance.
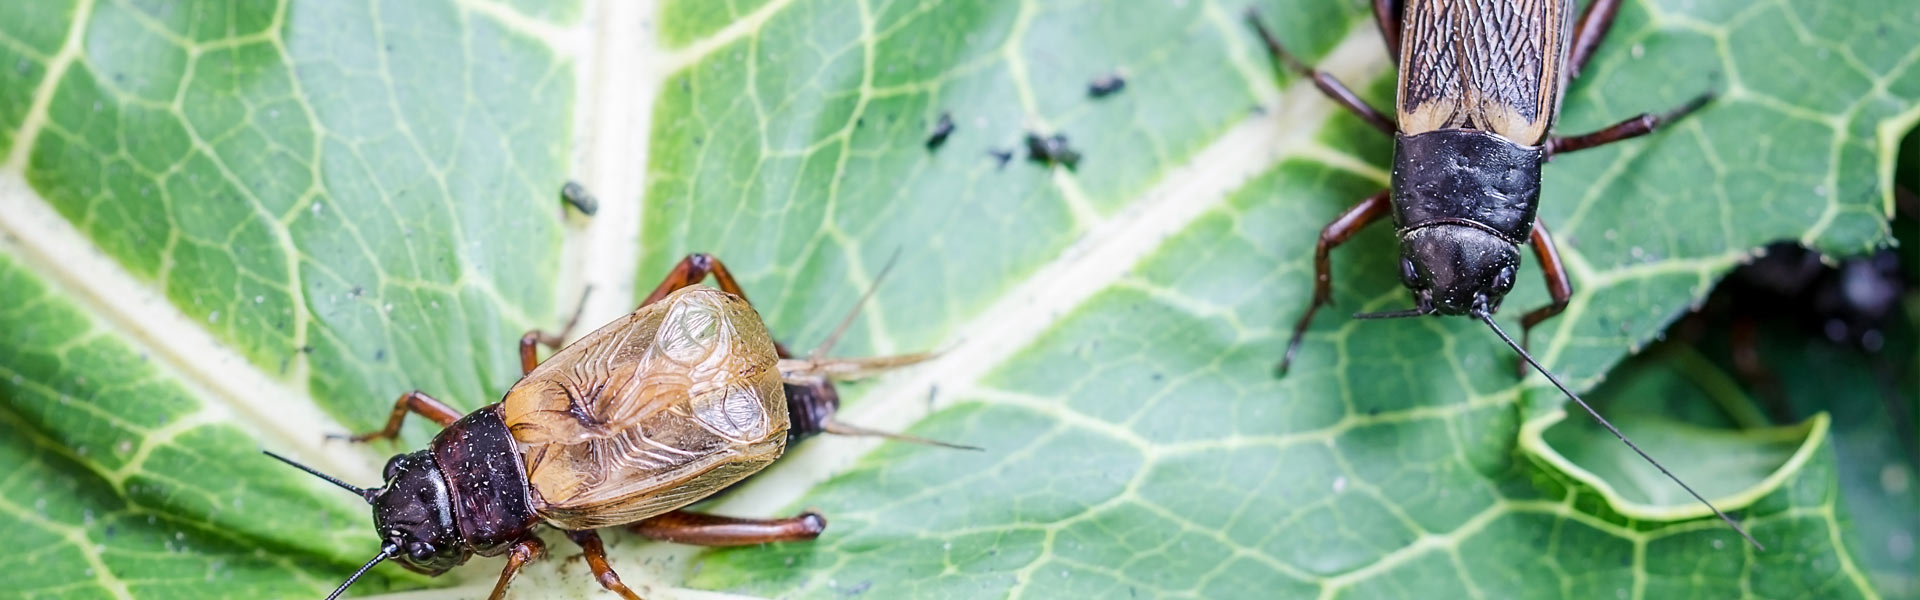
x,y
1588,32
522,552
699,529
596,554
530,343
1634,127
1339,231
410,402
1559,287
1321,79
1386,14
691,270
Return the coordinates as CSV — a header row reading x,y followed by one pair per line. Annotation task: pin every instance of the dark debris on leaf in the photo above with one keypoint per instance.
x,y
1106,85
941,129
1052,150
579,198
1000,156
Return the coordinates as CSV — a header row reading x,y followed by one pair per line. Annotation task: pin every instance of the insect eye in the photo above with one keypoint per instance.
x,y
392,468
1407,274
1504,281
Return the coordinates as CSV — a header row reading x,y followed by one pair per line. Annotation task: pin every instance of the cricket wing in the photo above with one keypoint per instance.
x,y
665,461
1492,65
677,354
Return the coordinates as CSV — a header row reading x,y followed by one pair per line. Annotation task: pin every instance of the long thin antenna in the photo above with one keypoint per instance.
x,y
821,350
1391,314
1488,319
838,428
386,551
363,492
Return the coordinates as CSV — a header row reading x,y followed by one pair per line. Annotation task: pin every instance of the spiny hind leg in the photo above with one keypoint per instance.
x,y
410,402
700,529
522,552
596,555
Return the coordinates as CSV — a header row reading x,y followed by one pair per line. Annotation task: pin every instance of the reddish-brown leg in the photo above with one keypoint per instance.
x,y
522,552
1637,126
1386,14
531,342
1327,84
1559,287
683,527
1587,34
414,402
691,270
1339,231
596,554
696,267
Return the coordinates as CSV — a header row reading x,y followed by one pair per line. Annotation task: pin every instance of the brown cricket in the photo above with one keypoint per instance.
x,y
661,408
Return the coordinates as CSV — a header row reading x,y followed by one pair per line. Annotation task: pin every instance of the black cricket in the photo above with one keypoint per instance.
x,y
1480,85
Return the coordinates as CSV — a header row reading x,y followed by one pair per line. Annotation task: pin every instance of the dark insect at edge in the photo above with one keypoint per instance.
x,y
1466,176
941,129
433,519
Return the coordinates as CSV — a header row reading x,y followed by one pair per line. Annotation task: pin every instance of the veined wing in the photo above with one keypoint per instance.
x,y
690,350
666,460
1494,65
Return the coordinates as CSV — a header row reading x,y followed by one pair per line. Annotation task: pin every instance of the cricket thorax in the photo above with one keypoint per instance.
x,y
1466,177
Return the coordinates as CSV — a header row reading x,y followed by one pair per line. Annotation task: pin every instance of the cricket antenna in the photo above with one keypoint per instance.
x,y
363,492
386,551
1392,314
1488,319
820,351
838,428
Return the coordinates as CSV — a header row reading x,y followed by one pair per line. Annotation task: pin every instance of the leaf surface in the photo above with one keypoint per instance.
x,y
224,228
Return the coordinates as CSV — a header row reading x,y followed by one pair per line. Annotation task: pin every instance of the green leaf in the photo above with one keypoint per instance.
x,y
226,227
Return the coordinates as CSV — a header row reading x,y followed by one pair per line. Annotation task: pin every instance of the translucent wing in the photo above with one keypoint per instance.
x,y
667,460
650,412
692,345
1494,65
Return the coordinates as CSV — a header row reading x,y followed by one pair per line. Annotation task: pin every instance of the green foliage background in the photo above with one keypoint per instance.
x,y
347,200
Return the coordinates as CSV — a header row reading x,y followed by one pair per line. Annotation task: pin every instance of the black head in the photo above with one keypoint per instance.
x,y
1457,269
414,513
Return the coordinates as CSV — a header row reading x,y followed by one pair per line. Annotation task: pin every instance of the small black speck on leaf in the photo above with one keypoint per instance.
x,y
1000,156
941,129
